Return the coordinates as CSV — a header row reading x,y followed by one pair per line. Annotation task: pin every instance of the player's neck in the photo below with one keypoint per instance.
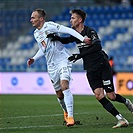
x,y
80,28
40,26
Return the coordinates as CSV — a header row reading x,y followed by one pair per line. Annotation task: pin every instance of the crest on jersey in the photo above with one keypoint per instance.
x,y
94,37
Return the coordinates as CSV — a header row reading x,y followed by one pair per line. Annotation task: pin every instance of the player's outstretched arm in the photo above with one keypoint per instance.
x,y
63,40
74,33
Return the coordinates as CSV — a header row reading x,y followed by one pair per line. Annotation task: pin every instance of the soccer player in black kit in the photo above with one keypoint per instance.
x,y
98,70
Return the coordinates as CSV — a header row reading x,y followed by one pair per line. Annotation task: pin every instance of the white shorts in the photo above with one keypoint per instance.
x,y
58,72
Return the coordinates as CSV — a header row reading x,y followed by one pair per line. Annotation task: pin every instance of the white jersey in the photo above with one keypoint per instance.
x,y
54,51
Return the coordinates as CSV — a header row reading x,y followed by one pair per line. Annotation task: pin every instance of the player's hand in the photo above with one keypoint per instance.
x,y
74,57
53,37
30,61
87,40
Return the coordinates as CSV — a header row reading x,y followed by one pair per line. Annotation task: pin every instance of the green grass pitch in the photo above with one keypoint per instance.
x,y
43,114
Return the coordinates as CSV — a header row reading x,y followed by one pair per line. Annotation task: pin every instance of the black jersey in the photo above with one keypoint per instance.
x,y
94,54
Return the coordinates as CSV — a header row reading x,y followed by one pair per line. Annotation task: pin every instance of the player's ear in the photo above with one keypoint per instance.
x,y
80,20
41,18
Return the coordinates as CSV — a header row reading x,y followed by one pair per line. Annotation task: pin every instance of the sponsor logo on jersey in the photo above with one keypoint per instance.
x,y
82,45
106,82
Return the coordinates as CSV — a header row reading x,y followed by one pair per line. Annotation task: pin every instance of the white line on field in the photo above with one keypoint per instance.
x,y
28,127
24,117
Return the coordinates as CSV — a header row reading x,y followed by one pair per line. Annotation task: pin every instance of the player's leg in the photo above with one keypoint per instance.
x,y
108,86
65,76
55,79
116,97
129,105
97,86
68,99
60,98
65,99
110,108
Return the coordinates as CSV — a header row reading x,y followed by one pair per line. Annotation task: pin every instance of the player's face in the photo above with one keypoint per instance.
x,y
75,20
35,19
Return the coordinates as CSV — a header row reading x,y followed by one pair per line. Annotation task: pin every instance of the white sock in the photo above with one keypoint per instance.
x,y
68,99
119,117
62,104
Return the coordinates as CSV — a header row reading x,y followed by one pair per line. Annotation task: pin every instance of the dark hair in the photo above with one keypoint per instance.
x,y
41,12
79,12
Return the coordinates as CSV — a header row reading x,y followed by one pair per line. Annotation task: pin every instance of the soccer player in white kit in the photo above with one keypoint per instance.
x,y
59,68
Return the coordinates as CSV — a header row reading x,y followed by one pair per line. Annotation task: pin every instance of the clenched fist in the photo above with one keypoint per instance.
x,y
30,61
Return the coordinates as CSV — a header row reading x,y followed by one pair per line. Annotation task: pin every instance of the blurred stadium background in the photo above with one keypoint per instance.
x,y
113,20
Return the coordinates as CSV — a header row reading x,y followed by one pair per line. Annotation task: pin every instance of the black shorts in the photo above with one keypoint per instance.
x,y
101,78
